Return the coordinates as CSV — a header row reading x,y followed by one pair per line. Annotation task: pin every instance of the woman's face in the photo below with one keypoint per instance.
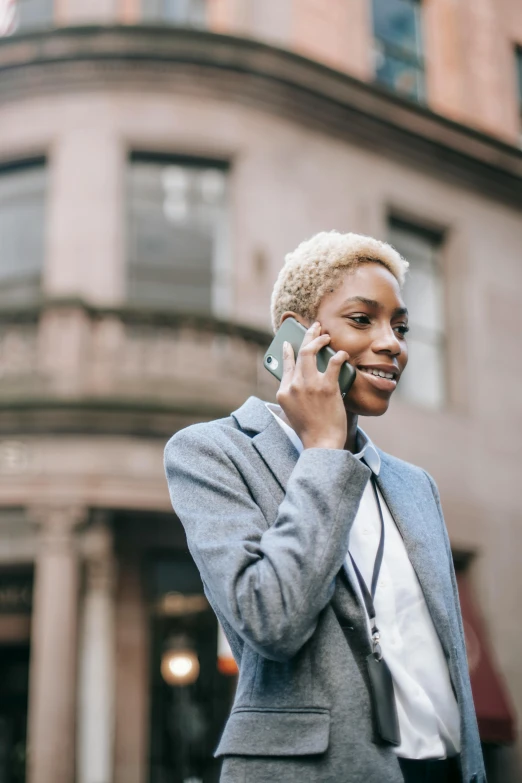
x,y
366,317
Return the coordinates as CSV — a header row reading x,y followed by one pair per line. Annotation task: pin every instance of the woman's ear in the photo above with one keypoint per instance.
x,y
303,321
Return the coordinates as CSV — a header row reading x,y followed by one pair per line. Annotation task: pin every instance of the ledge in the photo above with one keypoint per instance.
x,y
107,418
134,315
272,79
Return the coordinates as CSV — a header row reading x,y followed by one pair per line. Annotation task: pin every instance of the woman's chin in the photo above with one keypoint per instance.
x,y
368,406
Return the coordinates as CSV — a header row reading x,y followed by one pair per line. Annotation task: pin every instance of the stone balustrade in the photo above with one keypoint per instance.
x,y
67,353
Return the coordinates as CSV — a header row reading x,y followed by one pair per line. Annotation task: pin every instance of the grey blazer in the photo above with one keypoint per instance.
x,y
269,531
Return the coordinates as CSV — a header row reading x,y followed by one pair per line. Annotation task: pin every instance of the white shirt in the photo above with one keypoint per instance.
x,y
427,709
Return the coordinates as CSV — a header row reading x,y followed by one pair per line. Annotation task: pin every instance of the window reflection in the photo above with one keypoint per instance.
x,y
398,46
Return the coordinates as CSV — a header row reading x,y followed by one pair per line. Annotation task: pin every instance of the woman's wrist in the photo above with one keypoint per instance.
x,y
323,443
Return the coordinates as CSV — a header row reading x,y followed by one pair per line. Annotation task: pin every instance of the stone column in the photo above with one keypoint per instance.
x,y
52,675
96,662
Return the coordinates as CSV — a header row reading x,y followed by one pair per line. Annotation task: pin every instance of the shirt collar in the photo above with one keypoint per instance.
x,y
366,449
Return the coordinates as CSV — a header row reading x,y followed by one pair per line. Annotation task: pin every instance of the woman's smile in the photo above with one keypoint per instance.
x,y
381,378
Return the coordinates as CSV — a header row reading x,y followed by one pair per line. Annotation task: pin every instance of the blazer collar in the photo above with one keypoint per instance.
x,y
269,439
253,415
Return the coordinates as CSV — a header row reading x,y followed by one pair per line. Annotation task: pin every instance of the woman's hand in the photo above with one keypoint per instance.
x,y
312,400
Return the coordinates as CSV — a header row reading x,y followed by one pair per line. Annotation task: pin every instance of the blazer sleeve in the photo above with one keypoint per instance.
x,y
270,584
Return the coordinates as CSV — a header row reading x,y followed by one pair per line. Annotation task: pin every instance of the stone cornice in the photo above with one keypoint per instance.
x,y
271,79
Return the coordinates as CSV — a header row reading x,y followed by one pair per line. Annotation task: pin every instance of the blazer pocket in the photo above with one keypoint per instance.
x,y
263,732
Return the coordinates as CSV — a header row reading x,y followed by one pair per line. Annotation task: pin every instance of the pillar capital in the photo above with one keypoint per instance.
x,y
57,522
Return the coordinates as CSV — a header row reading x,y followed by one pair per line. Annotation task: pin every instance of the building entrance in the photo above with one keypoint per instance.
x,y
14,680
191,699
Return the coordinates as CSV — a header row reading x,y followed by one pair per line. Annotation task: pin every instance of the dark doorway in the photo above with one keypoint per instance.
x,y
187,715
14,680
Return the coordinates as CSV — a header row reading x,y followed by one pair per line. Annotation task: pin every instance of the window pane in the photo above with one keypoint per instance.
x,y
424,380
403,77
423,295
398,23
191,13
22,197
414,243
176,234
35,13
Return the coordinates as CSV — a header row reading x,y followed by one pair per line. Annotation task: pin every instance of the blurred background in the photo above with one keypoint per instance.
x,y
157,160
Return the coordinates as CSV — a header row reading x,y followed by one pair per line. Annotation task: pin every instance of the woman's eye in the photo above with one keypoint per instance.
x,y
402,329
360,319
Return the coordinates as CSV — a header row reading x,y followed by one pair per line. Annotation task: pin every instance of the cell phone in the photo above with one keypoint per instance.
x,y
291,331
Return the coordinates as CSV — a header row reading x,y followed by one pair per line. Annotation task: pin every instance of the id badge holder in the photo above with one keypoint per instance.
x,y
383,699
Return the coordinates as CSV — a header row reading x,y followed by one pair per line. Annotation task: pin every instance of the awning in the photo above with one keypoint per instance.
x,y
495,714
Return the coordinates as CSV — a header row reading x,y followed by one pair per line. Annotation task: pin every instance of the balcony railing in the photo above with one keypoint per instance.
x,y
66,353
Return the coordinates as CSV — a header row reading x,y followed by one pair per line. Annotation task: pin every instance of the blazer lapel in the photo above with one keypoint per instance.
x,y
269,438
422,545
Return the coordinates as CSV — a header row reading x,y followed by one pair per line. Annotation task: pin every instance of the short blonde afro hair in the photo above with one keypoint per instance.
x,y
317,264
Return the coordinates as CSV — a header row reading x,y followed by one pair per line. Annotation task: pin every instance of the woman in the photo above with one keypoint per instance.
x,y
327,561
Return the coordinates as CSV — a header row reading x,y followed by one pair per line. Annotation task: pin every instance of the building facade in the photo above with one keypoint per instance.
x,y
157,160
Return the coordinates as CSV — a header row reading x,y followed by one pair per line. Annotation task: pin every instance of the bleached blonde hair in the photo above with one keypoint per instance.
x,y
316,266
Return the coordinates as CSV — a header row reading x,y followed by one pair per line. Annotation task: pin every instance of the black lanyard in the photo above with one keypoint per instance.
x,y
382,692
367,595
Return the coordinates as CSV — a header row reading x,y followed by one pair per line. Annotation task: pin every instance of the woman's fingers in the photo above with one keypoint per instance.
x,y
312,343
334,366
306,361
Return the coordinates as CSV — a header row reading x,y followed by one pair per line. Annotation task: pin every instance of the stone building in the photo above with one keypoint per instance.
x,y
157,160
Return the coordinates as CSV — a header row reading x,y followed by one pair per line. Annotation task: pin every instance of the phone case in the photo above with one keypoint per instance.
x,y
292,332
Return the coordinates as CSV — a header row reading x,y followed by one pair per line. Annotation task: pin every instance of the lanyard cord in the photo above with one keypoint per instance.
x,y
367,595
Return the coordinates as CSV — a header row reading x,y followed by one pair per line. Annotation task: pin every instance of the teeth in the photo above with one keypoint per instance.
x,y
379,373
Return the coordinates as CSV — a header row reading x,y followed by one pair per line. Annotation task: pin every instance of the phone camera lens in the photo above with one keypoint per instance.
x,y
269,360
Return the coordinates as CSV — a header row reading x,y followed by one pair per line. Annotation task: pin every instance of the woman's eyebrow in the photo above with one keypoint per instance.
x,y
373,303
361,300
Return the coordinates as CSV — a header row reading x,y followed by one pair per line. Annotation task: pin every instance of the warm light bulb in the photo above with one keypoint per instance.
x,y
179,667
